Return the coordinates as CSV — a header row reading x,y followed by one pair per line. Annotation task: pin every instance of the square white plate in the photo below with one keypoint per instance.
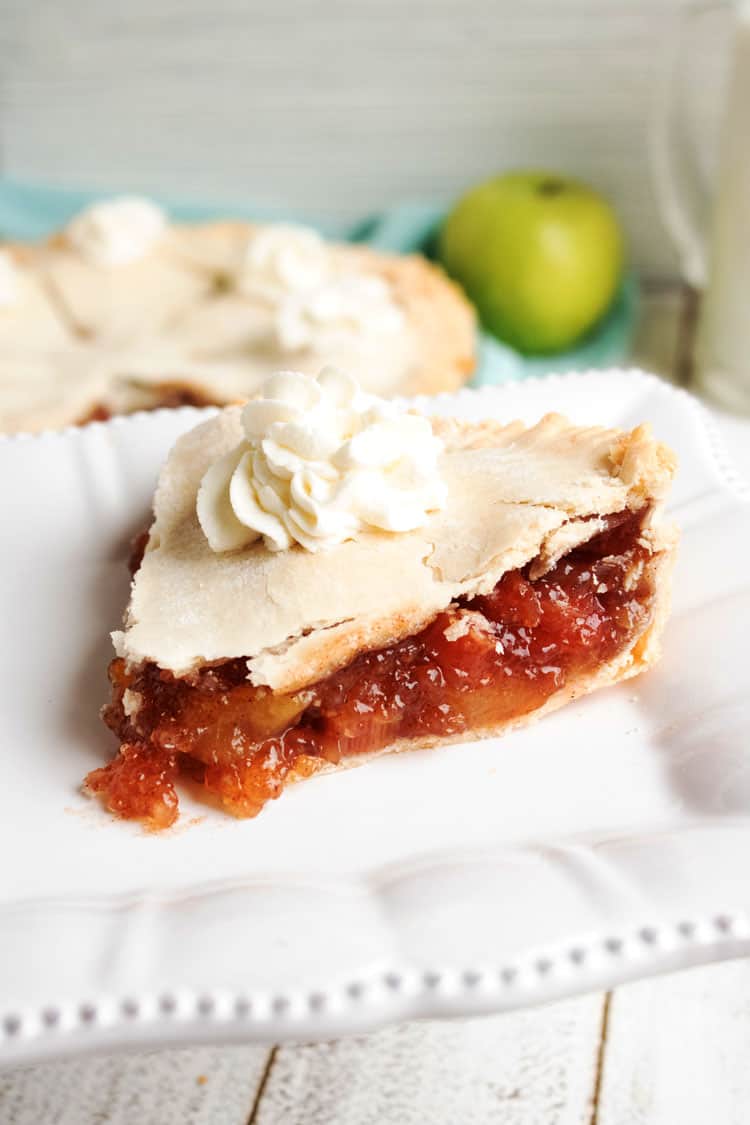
x,y
609,841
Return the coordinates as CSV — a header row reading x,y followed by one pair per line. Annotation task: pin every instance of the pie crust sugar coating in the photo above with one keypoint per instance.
x,y
84,342
557,517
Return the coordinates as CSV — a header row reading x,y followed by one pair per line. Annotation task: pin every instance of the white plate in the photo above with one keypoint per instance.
x,y
609,841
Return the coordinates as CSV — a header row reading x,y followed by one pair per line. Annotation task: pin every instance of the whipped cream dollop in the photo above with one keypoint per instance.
x,y
283,258
321,461
10,279
117,231
345,309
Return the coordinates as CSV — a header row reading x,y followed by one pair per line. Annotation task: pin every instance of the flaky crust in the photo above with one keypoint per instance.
x,y
84,337
512,493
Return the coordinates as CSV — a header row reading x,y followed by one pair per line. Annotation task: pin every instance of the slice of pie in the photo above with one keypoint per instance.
x,y
124,311
324,581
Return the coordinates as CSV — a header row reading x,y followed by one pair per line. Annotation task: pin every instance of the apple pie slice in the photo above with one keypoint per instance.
x,y
327,578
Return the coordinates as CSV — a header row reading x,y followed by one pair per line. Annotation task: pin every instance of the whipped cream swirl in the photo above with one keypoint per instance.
x,y
10,278
321,461
117,231
283,258
346,309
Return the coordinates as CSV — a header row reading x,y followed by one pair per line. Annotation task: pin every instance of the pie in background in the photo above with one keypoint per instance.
x,y
123,311
328,577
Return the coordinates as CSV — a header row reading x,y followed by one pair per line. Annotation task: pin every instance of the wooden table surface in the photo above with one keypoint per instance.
x,y
668,1051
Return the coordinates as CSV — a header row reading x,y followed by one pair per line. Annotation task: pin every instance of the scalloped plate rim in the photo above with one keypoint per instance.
x,y
392,987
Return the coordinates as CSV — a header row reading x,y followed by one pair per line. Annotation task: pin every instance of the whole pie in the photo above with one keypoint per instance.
x,y
123,311
327,579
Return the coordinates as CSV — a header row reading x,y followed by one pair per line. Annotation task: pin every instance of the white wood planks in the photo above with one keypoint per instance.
x,y
200,1086
335,107
677,1050
531,1068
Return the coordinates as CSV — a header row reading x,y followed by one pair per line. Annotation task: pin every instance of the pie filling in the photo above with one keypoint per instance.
x,y
168,396
480,663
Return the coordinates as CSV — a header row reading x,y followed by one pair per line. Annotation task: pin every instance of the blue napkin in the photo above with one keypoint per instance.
x,y
31,211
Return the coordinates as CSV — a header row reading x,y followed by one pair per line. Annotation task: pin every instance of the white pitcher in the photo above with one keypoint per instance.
x,y
711,227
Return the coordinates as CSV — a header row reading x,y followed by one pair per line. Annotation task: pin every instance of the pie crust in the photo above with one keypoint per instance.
x,y
83,341
538,513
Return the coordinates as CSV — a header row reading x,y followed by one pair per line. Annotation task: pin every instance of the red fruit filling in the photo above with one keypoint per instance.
x,y
480,663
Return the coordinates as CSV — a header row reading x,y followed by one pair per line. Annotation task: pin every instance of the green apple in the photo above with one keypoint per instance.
x,y
540,255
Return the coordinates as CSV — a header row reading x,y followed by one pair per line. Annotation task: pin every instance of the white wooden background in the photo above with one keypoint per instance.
x,y
341,106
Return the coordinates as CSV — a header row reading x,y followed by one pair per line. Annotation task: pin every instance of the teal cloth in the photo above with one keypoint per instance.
x,y
31,211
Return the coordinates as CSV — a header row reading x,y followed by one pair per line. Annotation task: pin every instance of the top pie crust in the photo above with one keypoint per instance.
x,y
112,336
515,494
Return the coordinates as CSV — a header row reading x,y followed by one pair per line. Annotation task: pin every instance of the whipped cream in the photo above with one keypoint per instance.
x,y
117,231
321,461
281,259
346,309
10,278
